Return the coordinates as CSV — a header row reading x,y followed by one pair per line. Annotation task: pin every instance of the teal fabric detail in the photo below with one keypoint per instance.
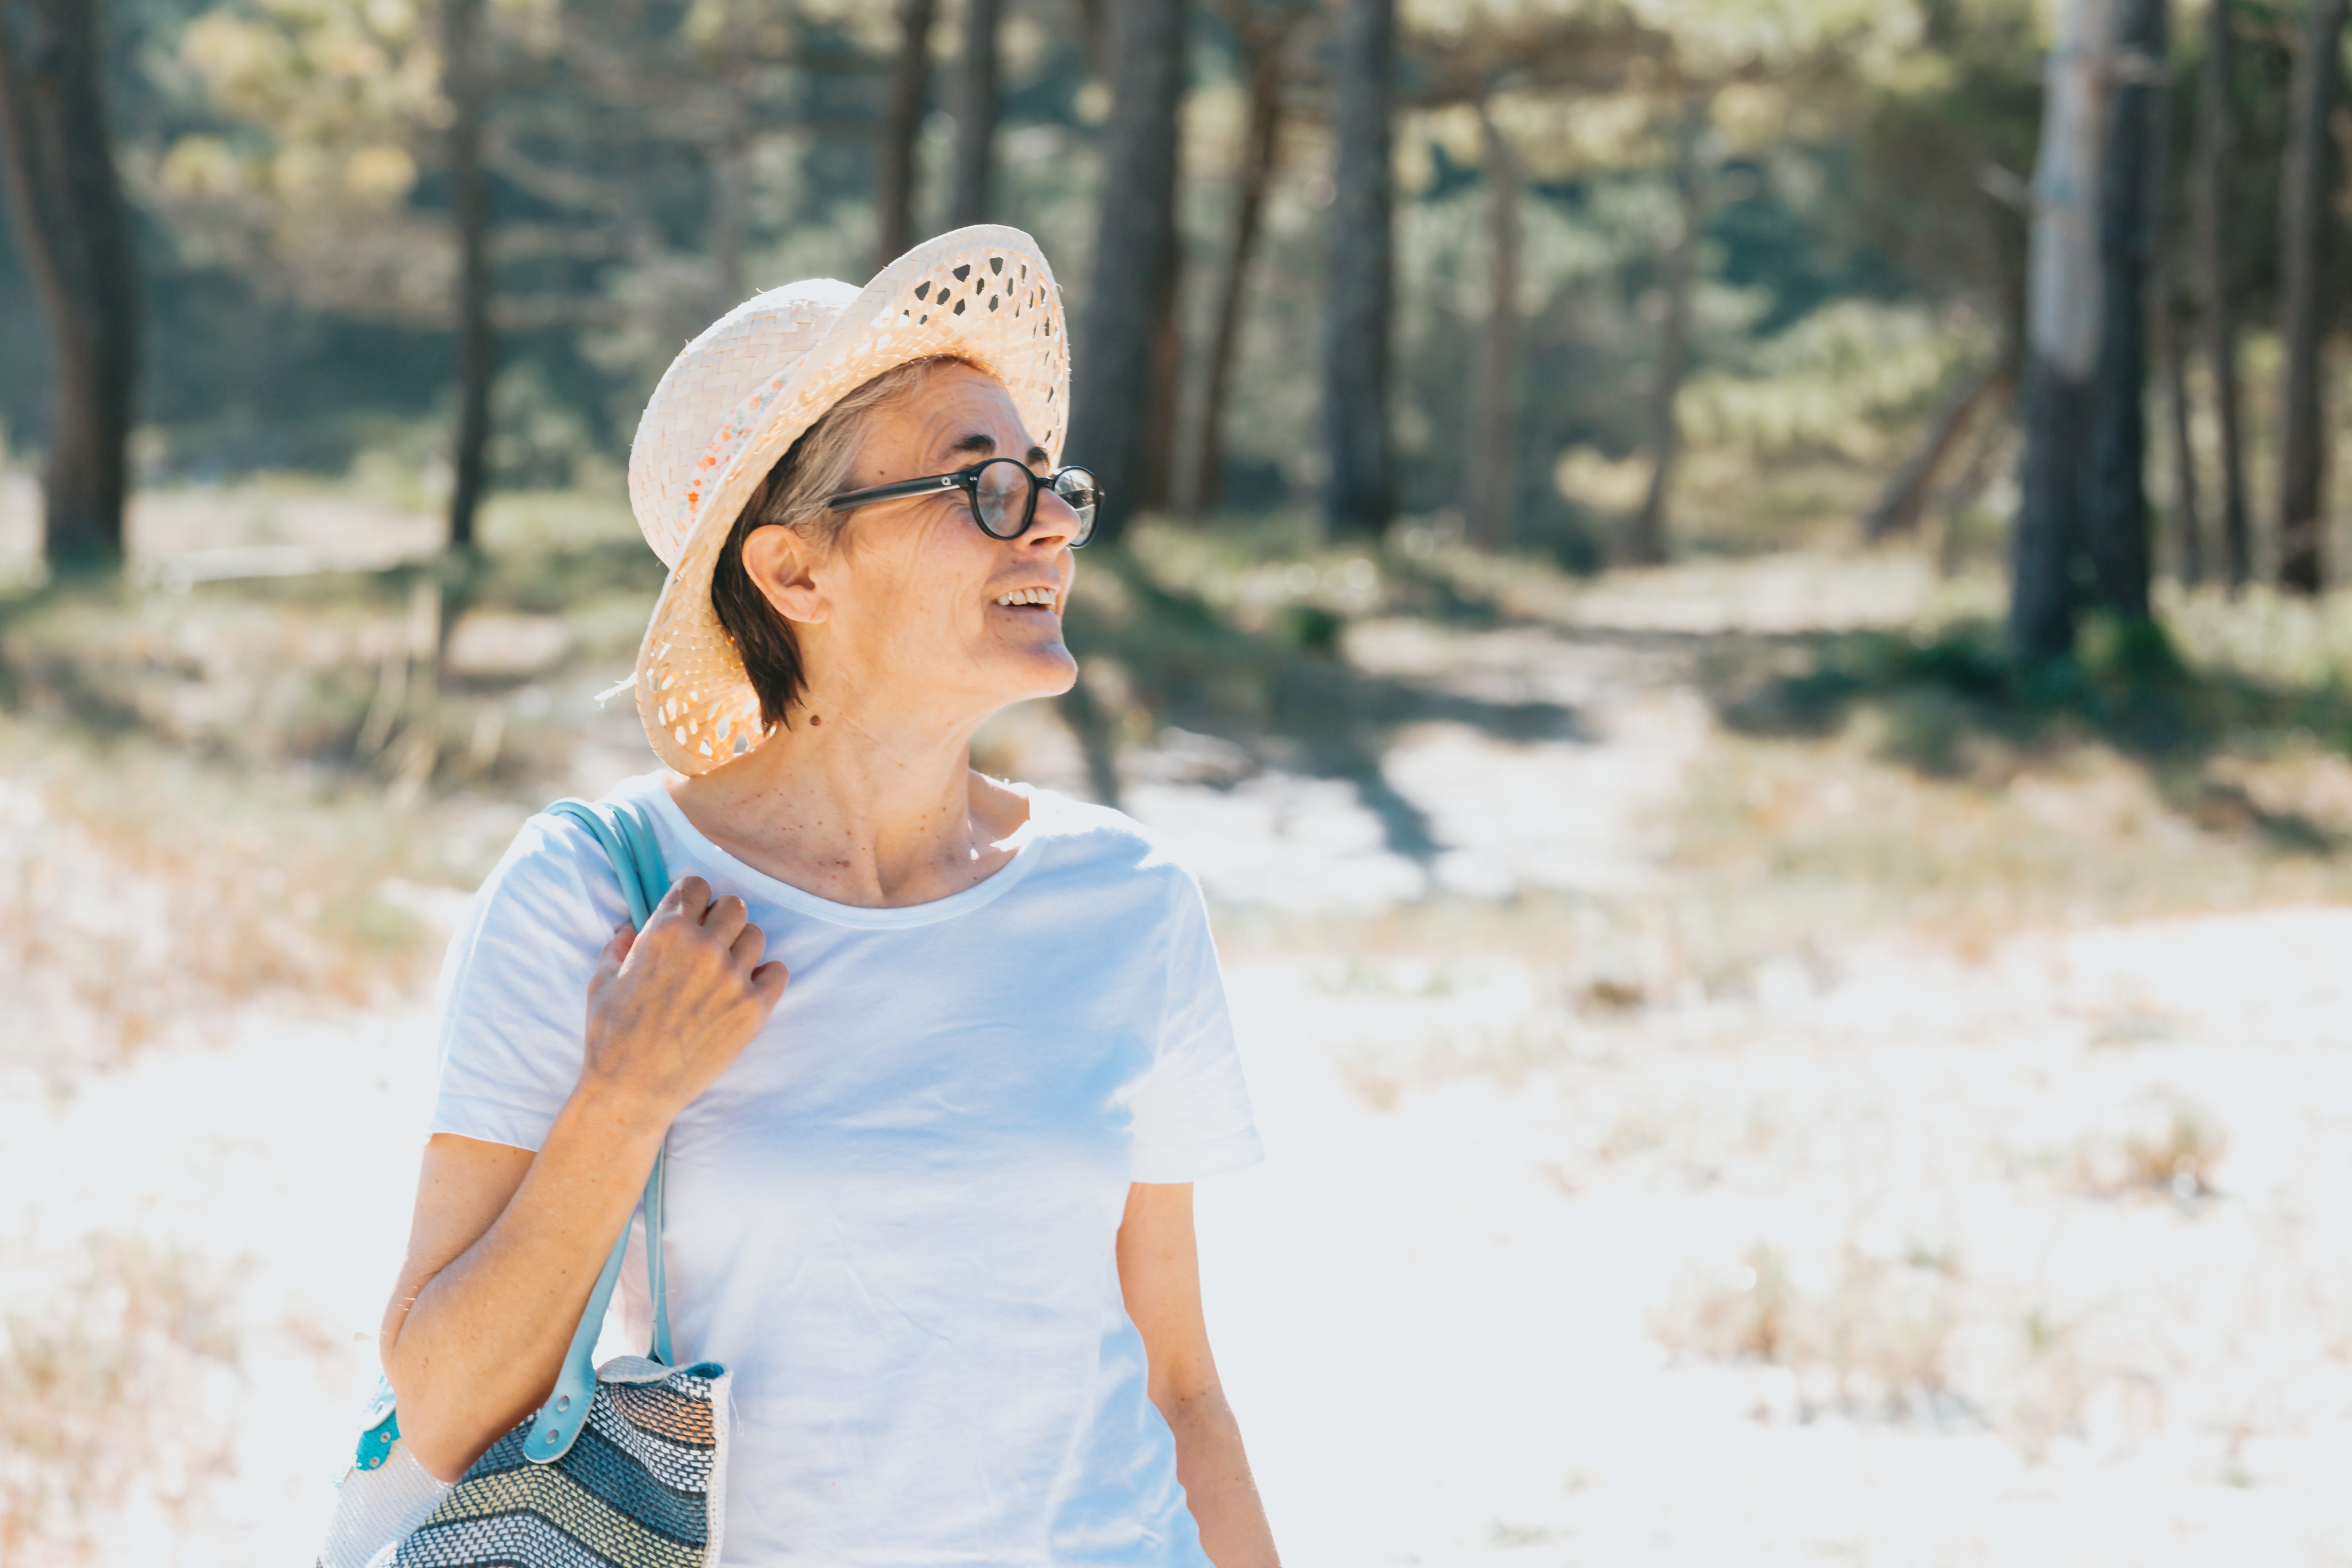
x,y
625,834
558,1423
658,1492
379,1404
383,1431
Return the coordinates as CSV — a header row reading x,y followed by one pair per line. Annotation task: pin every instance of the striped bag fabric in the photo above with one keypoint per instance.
x,y
624,1466
641,1488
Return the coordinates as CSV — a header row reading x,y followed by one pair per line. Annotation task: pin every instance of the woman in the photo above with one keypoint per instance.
x,y
929,1196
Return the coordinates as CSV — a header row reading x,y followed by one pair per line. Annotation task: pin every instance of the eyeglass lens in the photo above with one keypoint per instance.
x,y
1004,497
1081,495
1001,494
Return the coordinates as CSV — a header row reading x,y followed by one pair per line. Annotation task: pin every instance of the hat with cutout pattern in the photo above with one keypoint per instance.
x,y
734,400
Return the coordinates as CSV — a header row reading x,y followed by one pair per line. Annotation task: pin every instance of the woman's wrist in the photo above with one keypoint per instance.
x,y
613,1109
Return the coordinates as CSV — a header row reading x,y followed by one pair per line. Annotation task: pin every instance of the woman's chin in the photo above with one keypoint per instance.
x,y
1045,669
1009,665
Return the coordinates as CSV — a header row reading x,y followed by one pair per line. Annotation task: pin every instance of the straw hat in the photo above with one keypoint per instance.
x,y
735,400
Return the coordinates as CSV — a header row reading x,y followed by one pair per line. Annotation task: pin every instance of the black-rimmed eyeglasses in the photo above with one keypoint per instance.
x,y
1002,493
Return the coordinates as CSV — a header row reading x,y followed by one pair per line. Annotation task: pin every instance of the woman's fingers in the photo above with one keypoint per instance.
x,y
609,961
724,919
669,1006
686,899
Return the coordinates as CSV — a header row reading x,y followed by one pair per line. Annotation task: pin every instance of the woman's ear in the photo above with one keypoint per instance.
x,y
781,564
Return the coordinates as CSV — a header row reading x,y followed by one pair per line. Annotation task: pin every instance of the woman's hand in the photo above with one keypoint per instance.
x,y
670,1007
506,1244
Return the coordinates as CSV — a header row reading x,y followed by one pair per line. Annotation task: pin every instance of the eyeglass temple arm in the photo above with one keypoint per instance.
x,y
851,499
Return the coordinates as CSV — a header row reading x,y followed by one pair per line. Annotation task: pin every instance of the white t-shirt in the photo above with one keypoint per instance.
x,y
894,1217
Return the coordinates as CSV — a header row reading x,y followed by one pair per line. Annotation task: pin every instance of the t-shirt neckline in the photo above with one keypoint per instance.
x,y
987,891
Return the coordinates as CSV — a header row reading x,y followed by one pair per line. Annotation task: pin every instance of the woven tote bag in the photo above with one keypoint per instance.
x,y
625,1465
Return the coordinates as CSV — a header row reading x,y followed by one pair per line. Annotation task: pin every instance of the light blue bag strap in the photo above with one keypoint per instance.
x,y
626,835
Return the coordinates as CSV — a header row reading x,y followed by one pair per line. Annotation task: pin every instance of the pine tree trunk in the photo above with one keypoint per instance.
x,y
2114,508
2188,503
470,212
2056,409
731,192
74,236
1200,476
2166,322
1647,543
1358,493
1094,31
1981,454
2065,317
975,115
2217,152
1155,477
1902,503
1115,405
730,165
1490,488
2304,191
902,130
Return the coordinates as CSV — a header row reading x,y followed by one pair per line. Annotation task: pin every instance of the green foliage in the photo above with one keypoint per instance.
x,y
1954,703
1851,378
286,160
1935,120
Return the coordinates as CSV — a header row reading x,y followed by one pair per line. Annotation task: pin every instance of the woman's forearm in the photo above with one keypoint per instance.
x,y
1215,1473
506,1248
478,1330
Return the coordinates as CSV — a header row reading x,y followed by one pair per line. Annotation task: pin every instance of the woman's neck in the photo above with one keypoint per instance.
x,y
861,804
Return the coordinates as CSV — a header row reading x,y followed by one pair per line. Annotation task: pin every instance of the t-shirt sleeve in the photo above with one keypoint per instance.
x,y
513,993
1193,1110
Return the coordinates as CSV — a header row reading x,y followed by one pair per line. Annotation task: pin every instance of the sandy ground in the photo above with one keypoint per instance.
x,y
198,533
1443,1320
2045,1258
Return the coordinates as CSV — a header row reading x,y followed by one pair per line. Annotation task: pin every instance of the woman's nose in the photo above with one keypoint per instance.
x,y
1054,524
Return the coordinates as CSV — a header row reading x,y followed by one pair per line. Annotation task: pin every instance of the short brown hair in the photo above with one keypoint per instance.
x,y
812,470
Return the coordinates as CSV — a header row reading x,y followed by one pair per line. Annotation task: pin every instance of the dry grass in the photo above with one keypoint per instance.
x,y
1871,1340
116,1389
1785,854
226,796
1850,795
2166,1143
275,787
1826,838
1909,1340
145,895
2261,633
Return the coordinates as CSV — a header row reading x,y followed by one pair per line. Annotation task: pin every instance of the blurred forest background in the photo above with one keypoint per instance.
x,y
1601,281
1656,277
1733,600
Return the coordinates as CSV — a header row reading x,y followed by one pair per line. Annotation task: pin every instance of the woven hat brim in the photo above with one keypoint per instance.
x,y
1003,311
